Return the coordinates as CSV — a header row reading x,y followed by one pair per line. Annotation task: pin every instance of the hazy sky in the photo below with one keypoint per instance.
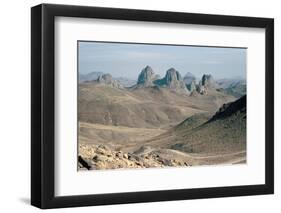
x,y
127,60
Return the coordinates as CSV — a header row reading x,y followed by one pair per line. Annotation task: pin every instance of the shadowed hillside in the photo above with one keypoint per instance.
x,y
225,132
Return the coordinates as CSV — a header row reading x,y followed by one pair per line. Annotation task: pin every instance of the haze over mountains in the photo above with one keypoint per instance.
x,y
157,121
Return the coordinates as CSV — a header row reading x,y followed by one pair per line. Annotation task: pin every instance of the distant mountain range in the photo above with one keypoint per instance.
x,y
235,87
232,82
93,76
172,80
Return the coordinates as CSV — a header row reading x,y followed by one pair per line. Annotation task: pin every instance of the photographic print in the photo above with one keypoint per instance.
x,y
160,105
183,103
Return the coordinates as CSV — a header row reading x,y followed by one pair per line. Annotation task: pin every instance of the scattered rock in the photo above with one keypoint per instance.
x,y
94,157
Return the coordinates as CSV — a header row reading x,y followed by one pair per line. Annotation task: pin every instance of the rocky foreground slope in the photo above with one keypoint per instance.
x,y
102,157
199,140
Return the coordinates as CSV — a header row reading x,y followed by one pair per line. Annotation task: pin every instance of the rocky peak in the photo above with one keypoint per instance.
x,y
207,82
146,77
109,81
172,76
173,81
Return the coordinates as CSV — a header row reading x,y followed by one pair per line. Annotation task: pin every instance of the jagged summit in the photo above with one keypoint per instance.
x,y
173,81
146,77
172,76
206,83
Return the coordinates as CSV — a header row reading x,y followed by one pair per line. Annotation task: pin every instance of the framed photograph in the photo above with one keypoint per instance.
x,y
139,106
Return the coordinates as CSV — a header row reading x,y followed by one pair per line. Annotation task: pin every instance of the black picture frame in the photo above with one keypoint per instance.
x,y
43,102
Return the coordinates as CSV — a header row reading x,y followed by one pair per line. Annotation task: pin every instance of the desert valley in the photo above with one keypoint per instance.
x,y
156,121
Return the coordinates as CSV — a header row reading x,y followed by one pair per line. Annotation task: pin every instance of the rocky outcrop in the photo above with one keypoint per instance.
x,y
146,77
173,78
107,80
83,164
206,83
189,78
192,86
173,81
